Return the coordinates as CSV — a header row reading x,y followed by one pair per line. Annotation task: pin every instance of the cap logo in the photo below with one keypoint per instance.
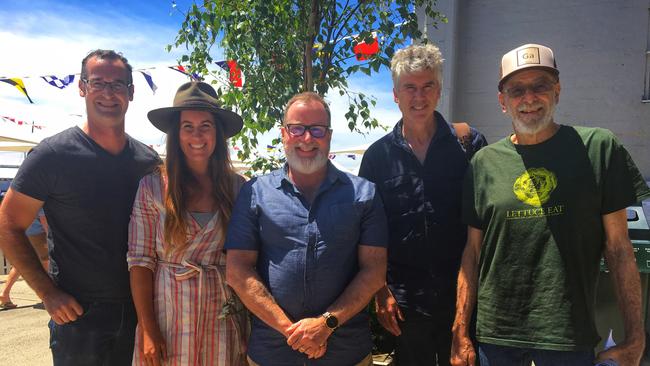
x,y
528,56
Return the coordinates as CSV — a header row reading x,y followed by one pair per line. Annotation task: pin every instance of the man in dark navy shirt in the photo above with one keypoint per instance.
x,y
418,169
85,178
307,251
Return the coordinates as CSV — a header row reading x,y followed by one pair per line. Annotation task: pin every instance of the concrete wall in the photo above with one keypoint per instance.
x,y
600,47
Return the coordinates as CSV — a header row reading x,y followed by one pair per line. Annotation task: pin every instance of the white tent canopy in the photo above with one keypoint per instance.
x,y
17,145
360,149
17,138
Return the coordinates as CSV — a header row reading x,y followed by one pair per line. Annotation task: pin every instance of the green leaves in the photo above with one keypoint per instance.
x,y
270,40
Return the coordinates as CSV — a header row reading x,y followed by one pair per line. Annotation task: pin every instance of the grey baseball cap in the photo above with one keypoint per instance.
x,y
524,57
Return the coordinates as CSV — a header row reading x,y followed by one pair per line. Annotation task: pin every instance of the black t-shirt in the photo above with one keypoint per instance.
x,y
88,194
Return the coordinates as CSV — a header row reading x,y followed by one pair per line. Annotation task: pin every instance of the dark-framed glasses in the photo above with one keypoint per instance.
x,y
99,85
519,91
316,131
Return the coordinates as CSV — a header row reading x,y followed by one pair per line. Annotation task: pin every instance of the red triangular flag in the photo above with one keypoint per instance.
x,y
235,74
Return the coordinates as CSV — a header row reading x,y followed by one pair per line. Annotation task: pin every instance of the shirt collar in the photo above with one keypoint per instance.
x,y
443,130
281,177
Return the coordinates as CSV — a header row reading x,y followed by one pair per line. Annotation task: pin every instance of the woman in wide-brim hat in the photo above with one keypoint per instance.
x,y
186,313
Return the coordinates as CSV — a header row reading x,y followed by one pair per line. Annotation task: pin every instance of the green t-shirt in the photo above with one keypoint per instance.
x,y
540,208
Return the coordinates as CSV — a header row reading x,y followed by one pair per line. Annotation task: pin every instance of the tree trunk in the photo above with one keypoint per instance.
x,y
312,26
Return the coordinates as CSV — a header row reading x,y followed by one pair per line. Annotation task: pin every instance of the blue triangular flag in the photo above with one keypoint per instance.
x,y
147,77
223,64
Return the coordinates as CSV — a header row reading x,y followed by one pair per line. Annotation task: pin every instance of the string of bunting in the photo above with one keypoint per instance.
x,y
18,122
349,156
273,148
235,77
362,51
157,147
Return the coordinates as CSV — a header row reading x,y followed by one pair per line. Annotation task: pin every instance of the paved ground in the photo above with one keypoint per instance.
x,y
24,334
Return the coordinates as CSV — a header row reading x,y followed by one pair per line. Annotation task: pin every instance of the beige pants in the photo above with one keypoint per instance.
x,y
365,362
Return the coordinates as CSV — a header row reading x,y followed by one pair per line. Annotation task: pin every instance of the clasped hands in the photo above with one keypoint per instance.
x,y
309,336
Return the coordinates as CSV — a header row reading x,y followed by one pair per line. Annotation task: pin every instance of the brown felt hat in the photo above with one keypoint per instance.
x,y
197,96
524,57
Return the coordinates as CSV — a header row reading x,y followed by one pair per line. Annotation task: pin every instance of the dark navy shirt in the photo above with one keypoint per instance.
x,y
423,206
308,254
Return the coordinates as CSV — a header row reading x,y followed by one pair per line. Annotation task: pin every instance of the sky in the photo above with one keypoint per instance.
x,y
41,38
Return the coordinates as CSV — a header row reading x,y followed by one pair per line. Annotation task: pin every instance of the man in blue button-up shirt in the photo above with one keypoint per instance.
x,y
307,250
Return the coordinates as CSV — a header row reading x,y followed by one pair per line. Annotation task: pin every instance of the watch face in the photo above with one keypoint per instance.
x,y
332,322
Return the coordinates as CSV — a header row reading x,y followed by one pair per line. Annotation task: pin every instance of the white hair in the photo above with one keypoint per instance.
x,y
416,58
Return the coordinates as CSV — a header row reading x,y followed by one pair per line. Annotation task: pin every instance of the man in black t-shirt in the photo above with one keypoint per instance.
x,y
85,178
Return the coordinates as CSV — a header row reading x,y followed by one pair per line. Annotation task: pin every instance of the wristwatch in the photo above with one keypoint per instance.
x,y
331,321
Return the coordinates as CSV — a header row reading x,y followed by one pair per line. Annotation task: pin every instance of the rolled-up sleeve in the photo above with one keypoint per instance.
x,y
143,227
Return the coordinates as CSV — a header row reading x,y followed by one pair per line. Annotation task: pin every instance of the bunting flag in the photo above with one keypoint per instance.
x,y
10,119
352,156
234,72
185,71
59,83
363,50
147,77
18,83
331,156
223,65
270,148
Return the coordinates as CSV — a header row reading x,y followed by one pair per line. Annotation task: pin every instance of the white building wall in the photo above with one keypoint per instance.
x,y
600,47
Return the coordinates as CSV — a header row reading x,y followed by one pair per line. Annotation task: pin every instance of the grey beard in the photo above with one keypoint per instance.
x,y
306,165
531,129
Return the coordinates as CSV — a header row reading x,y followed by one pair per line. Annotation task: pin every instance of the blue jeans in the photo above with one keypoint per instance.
x,y
102,336
490,354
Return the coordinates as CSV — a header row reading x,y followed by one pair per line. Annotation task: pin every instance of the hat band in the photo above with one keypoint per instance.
x,y
197,103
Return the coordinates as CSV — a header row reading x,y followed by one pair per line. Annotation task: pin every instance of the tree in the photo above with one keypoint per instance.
x,y
287,46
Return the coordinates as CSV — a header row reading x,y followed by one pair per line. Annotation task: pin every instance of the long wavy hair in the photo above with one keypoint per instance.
x,y
180,182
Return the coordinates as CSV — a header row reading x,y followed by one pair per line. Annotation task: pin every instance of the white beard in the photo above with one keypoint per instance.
x,y
305,165
533,126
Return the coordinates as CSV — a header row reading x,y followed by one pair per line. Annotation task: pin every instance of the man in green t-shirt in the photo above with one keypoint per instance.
x,y
542,206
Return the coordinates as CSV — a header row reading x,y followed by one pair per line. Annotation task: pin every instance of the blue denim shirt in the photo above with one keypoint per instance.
x,y
423,206
308,254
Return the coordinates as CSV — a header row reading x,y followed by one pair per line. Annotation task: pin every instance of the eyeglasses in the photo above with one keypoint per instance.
x,y
537,88
98,85
316,131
